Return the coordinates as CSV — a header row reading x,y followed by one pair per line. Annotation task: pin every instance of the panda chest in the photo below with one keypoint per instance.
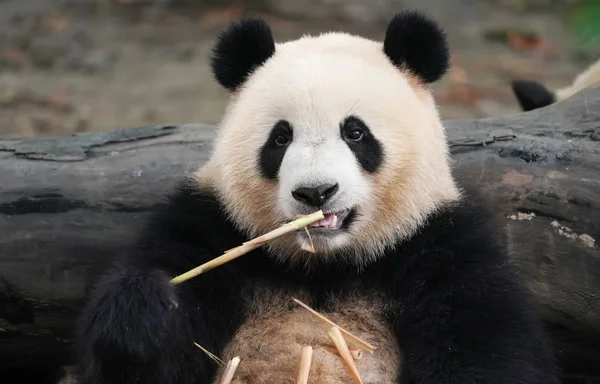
x,y
269,343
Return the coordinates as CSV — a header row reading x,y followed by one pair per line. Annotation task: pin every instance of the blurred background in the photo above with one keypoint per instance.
x,y
71,66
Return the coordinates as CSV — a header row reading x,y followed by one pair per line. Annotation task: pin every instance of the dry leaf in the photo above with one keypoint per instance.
x,y
529,42
462,94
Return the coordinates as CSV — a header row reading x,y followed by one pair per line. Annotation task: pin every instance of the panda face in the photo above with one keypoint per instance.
x,y
325,167
331,123
323,148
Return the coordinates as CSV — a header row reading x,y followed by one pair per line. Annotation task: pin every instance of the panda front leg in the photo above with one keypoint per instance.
x,y
138,327
474,327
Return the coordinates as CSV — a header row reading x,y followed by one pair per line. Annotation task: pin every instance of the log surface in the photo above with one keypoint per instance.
x,y
68,205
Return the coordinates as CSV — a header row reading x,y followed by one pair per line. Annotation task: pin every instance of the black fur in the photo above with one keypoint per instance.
x,y
240,49
368,150
458,310
272,152
417,43
532,95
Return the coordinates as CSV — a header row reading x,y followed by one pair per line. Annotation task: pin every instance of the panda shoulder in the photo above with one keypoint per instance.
x,y
191,215
468,230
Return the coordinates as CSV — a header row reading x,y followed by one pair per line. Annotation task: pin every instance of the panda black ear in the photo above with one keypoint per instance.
x,y
241,48
417,43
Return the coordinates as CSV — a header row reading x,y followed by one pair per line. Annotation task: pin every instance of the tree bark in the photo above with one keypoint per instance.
x,y
69,204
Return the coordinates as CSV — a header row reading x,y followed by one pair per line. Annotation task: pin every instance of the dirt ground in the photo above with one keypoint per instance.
x,y
75,66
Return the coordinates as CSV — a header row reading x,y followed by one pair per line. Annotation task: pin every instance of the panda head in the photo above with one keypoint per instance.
x,y
333,122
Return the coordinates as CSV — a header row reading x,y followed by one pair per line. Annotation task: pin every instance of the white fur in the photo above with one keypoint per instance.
x,y
319,156
313,83
588,77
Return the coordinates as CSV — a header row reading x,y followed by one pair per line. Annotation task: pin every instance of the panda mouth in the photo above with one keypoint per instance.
x,y
332,221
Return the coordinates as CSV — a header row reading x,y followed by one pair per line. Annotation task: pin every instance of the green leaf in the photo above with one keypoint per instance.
x,y
584,22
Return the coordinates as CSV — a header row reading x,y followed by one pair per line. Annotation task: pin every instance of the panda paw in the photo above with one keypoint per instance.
x,y
132,315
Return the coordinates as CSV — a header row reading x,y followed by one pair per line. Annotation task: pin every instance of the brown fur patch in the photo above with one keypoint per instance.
x,y
68,375
270,343
420,88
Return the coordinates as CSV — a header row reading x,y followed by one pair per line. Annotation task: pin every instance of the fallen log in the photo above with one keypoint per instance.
x,y
69,204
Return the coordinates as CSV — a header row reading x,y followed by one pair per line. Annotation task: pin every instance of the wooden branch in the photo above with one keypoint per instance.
x,y
68,205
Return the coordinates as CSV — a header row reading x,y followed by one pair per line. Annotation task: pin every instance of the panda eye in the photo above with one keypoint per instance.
x,y
282,139
354,130
355,135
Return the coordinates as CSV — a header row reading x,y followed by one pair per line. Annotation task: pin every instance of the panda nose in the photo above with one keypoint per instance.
x,y
315,196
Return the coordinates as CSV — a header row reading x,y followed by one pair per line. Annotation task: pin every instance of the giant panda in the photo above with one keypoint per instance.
x,y
534,95
403,258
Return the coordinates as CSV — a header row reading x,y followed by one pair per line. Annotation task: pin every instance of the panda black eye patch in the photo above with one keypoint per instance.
x,y
366,148
273,150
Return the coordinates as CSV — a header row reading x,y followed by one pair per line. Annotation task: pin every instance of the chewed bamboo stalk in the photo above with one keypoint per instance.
x,y
350,338
310,247
289,227
249,246
305,362
338,339
209,354
230,370
355,352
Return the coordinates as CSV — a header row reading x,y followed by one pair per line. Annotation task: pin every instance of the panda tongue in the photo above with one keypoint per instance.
x,y
325,222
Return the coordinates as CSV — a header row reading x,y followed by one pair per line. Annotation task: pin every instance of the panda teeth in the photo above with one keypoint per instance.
x,y
333,222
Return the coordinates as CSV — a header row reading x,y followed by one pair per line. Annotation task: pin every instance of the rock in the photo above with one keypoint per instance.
x,y
96,61
12,57
67,49
44,51
18,37
587,240
81,39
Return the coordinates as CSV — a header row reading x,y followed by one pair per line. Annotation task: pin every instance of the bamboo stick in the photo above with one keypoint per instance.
x,y
350,338
305,362
338,339
209,354
311,246
249,246
289,227
355,352
230,370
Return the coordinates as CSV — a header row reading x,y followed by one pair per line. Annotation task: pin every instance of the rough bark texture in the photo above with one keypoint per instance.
x,y
67,205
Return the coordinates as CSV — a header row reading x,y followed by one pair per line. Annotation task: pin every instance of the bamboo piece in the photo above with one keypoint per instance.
x,y
309,247
249,246
305,362
355,352
209,354
289,227
350,338
338,339
230,370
